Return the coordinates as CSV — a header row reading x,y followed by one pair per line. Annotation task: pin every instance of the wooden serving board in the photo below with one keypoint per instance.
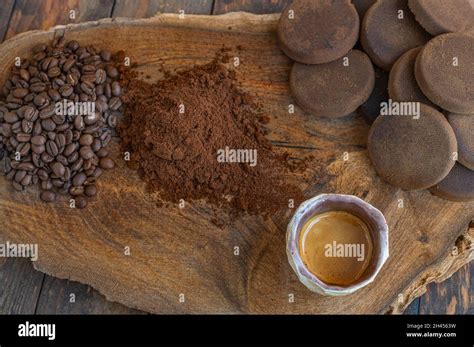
x,y
178,254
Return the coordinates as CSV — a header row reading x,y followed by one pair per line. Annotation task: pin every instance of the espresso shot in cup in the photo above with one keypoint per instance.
x,y
337,244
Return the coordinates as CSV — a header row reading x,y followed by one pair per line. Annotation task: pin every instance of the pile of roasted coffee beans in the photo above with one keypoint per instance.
x,y
64,151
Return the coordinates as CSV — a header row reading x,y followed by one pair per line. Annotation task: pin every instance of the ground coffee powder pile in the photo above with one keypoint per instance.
x,y
176,128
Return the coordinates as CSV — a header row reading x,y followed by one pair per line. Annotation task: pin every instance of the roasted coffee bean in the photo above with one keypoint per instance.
x,y
5,165
47,185
116,89
62,127
10,117
23,137
105,55
42,174
96,145
73,157
23,148
40,101
54,95
112,121
72,79
26,166
43,76
66,90
57,182
92,118
54,72
86,152
39,56
79,179
112,72
38,149
25,74
52,148
81,202
86,140
59,119
26,181
67,175
60,140
62,159
88,69
36,159
103,152
77,165
20,92
70,148
51,135
87,88
37,128
29,113
73,45
58,169
19,175
107,90
100,76
48,124
79,123
68,64
48,196
38,140
68,135
90,190
106,163
27,126
75,191
45,157
47,112
115,103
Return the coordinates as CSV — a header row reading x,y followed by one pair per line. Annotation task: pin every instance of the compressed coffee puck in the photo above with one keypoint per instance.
x,y
444,70
463,126
402,85
334,89
318,31
457,186
362,6
370,109
440,17
412,152
388,30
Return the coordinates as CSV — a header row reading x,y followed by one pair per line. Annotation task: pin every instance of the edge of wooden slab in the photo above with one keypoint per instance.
x,y
439,271
461,254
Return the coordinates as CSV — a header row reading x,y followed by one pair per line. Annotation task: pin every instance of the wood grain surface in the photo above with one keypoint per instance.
x,y
18,298
167,262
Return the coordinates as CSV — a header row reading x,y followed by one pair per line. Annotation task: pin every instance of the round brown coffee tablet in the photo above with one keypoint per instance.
x,y
463,126
318,31
440,16
444,70
370,109
362,6
457,186
402,85
334,89
388,30
412,152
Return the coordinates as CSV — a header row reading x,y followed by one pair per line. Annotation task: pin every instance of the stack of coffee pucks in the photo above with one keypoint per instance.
x,y
422,106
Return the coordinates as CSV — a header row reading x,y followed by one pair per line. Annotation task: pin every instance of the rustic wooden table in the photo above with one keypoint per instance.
x,y
26,291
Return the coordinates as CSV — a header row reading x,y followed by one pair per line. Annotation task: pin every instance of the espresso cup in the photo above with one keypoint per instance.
x,y
372,217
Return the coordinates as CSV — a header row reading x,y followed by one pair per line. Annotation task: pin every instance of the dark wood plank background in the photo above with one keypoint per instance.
x,y
26,291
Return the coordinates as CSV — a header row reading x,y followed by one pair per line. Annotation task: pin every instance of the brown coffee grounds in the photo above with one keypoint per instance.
x,y
177,153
